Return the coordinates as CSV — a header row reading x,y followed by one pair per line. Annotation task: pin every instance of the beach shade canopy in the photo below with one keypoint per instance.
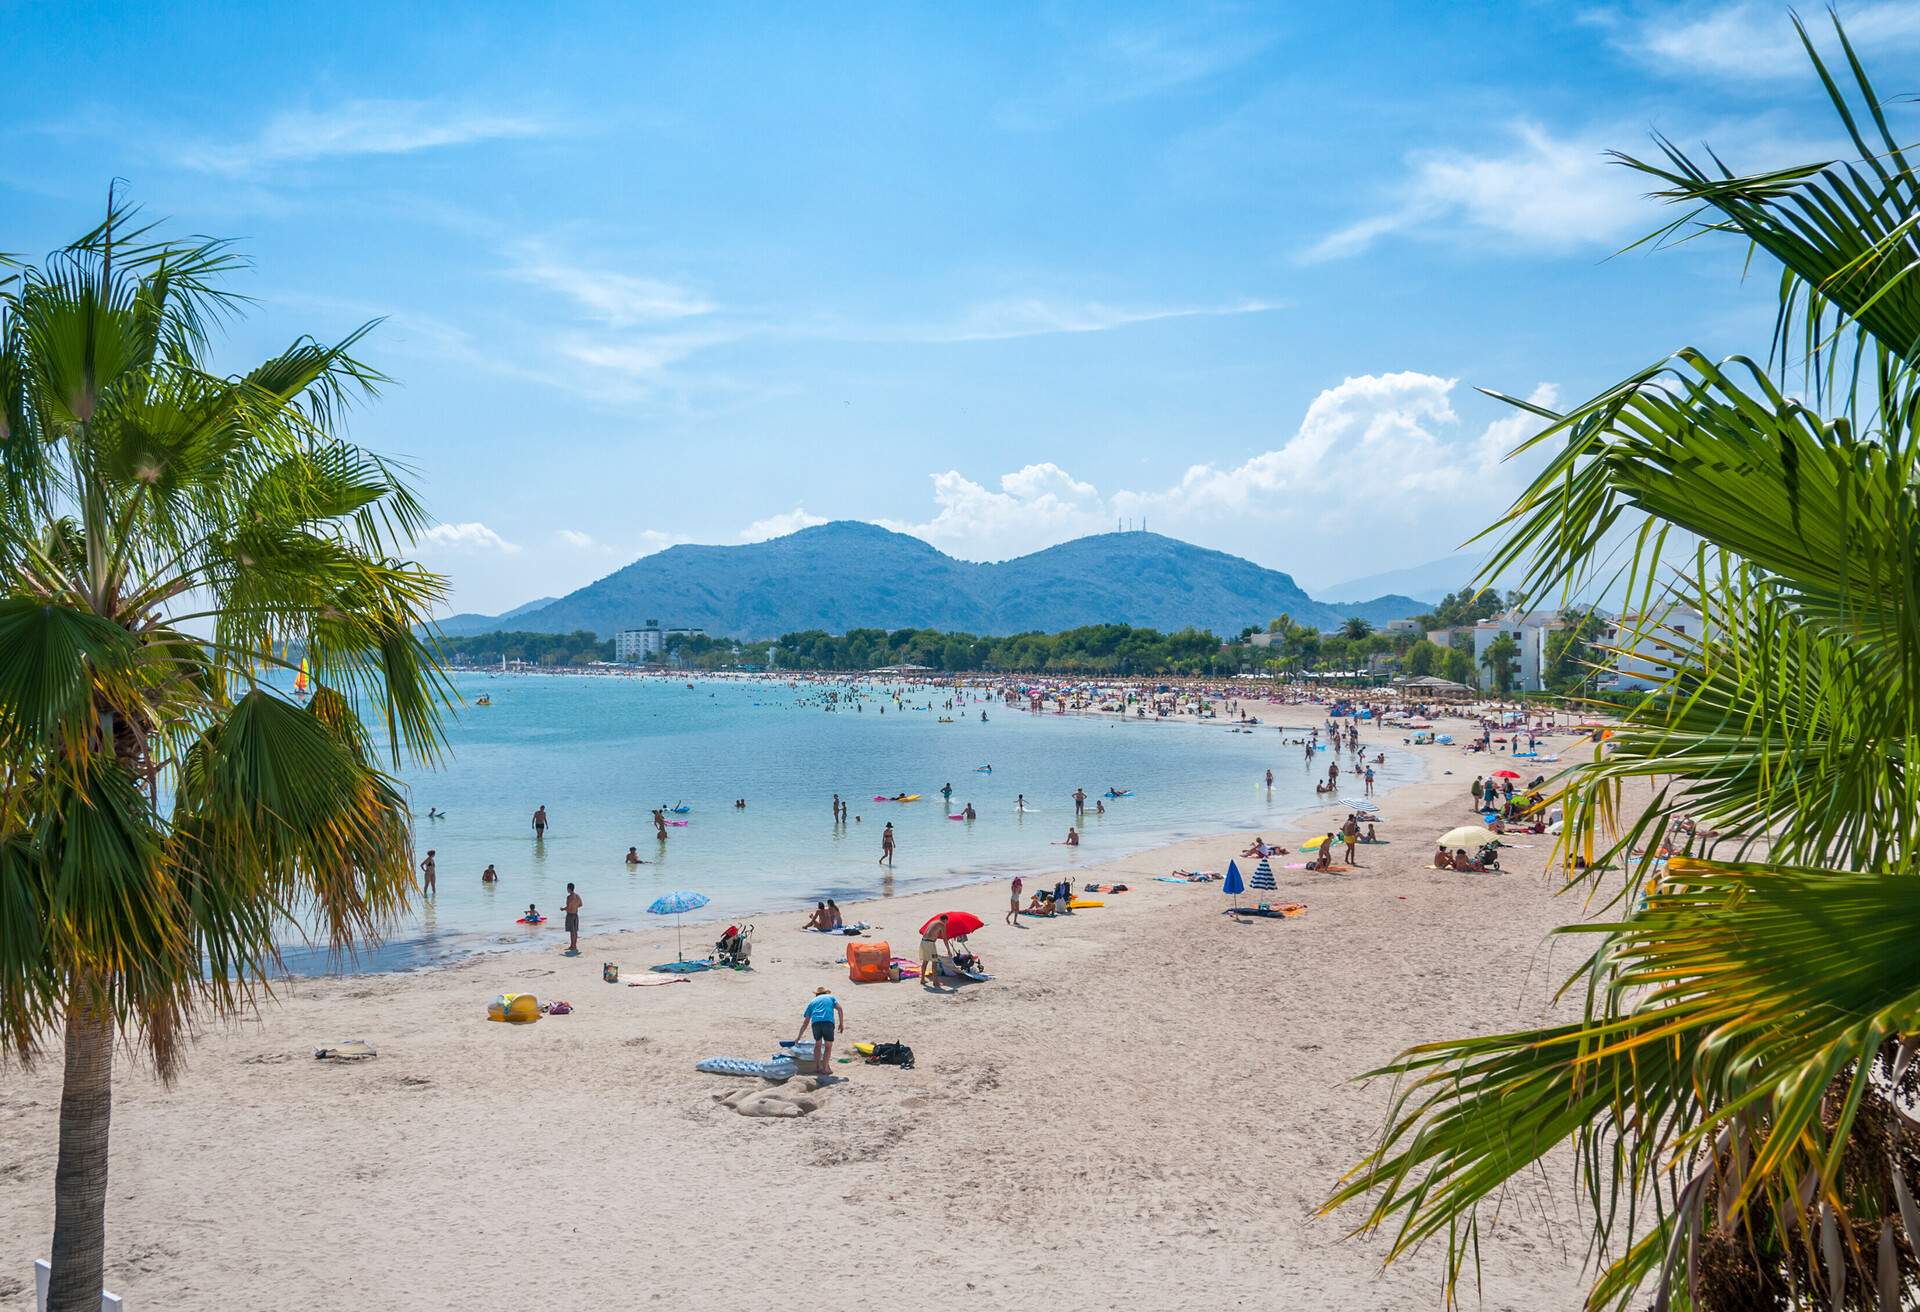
x,y
1263,877
1505,774
959,924
675,904
1465,836
1307,845
1234,885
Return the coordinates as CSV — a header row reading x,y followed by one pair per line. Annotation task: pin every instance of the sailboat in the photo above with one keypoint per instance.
x,y
300,680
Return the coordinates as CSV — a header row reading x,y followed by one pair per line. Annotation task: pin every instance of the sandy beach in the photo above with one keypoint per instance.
x,y
1144,1106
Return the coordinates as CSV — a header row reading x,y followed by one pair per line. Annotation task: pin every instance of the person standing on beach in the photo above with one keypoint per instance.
x,y
1350,835
1369,792
1475,790
1079,801
573,921
886,845
821,1014
427,873
1013,913
539,822
930,940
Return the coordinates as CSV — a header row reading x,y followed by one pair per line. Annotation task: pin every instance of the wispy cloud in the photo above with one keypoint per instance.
x,y
469,536
1545,191
363,127
1750,39
1129,63
615,297
1039,317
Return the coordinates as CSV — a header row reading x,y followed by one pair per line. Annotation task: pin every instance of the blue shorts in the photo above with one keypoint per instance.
x,y
823,1031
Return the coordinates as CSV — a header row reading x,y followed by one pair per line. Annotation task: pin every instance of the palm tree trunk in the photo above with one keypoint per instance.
x,y
80,1181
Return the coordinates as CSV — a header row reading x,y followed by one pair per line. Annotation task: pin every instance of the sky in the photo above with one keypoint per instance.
x,y
995,275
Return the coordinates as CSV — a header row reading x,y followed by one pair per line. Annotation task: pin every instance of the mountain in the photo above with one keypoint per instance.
x,y
472,622
847,575
1429,582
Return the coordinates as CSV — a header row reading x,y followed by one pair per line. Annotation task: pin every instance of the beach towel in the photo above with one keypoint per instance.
x,y
649,983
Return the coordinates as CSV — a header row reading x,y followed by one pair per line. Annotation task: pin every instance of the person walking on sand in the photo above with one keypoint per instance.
x,y
539,822
822,1014
1013,912
427,873
886,845
573,921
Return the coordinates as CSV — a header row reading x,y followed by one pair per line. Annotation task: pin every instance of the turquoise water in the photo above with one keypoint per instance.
x,y
599,753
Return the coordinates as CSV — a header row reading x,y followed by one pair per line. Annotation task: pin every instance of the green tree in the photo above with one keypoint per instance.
x,y
1750,1019
1458,666
1422,658
166,533
1355,628
1501,661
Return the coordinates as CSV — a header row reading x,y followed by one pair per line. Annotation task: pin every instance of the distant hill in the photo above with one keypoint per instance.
x,y
472,622
847,575
1429,582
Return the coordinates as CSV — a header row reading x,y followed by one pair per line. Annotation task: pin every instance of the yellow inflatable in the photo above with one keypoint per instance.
x,y
1081,903
519,1008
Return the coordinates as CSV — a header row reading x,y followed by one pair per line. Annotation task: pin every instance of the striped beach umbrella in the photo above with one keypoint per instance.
x,y
1263,877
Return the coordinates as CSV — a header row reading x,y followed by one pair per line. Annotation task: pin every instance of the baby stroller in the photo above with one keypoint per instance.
x,y
734,948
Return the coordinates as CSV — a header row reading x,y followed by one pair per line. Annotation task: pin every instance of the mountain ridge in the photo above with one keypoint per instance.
x,y
848,574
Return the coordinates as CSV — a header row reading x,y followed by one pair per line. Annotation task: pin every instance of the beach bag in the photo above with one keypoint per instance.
x,y
891,1054
610,971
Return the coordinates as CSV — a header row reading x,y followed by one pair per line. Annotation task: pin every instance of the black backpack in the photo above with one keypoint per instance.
x,y
891,1054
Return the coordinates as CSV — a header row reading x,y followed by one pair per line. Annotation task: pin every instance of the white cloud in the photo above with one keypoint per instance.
x,y
470,536
778,526
617,298
1755,40
575,538
1376,473
363,127
1545,191
1037,317
1129,63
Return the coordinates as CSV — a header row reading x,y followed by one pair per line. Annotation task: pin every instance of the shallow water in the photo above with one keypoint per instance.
x,y
601,752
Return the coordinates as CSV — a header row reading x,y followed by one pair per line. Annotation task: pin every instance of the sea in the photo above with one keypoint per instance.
x,y
599,753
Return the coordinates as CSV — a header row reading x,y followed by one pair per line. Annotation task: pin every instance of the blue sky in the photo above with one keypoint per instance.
x,y
996,275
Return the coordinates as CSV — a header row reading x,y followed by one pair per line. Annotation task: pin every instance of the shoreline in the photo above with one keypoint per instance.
x,y
1144,1107
949,880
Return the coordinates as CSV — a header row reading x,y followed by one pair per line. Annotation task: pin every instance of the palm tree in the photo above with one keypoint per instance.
x,y
166,535
1736,1093
1501,660
1355,628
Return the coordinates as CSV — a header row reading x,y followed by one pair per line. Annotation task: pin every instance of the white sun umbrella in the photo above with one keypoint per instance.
x,y
1359,804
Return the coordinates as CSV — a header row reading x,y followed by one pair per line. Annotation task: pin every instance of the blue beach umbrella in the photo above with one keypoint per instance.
x,y
675,904
1234,885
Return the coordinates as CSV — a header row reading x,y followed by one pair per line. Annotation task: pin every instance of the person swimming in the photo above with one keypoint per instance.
x,y
633,857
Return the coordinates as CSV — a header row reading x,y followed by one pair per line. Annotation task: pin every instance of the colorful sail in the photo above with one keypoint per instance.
x,y
300,679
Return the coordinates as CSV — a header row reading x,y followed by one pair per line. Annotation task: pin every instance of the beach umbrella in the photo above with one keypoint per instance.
x,y
1312,843
1263,877
676,904
1359,804
1234,885
959,924
1505,774
1464,836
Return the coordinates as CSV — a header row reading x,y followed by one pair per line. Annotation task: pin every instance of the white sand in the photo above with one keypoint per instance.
x,y
1144,1107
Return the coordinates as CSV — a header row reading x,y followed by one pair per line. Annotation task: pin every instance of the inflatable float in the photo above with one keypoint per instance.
x,y
1082,903
1118,792
537,920
904,797
514,1008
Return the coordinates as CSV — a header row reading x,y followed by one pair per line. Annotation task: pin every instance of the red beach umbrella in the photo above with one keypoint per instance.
x,y
1505,774
959,924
